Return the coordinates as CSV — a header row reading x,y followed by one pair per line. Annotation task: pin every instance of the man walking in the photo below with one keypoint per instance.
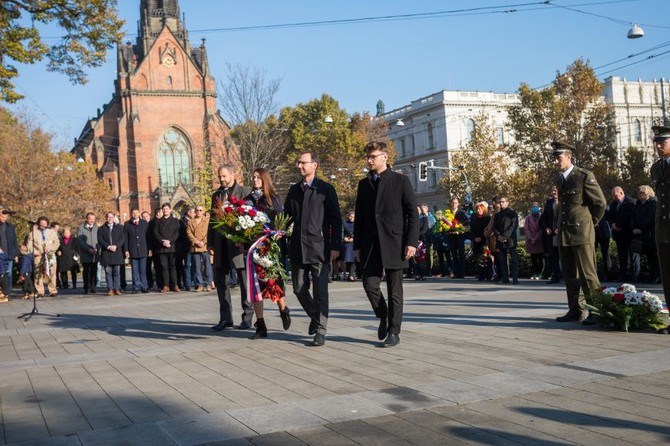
x,y
581,206
137,250
316,240
386,235
660,181
228,254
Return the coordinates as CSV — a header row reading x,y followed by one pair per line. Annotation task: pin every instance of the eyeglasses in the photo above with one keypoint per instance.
x,y
301,163
372,157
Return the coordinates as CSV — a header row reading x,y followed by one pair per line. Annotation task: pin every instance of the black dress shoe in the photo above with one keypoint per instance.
x,y
391,340
285,318
590,320
568,317
312,327
319,340
222,326
244,326
382,331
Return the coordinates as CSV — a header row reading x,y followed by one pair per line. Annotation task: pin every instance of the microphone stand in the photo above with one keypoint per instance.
x,y
34,312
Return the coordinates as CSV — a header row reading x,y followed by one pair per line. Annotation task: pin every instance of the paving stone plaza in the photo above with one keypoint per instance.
x,y
477,364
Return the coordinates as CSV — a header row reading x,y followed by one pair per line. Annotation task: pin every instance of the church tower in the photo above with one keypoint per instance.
x,y
161,128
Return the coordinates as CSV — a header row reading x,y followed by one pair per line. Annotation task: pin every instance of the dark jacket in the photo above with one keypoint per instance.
x,y
506,225
386,214
65,253
12,242
660,182
137,243
225,251
166,229
317,223
477,226
642,218
620,213
114,237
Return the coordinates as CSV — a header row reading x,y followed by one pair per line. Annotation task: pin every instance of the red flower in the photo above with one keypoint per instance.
x,y
252,213
227,209
258,268
618,297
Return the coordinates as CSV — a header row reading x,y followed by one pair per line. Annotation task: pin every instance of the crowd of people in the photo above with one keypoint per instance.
x,y
386,237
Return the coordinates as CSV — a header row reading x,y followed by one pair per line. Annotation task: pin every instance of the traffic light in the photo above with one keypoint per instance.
x,y
423,171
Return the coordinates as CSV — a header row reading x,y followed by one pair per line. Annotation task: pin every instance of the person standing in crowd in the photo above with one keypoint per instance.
x,y
9,244
153,245
264,197
146,216
87,243
620,210
43,243
55,227
457,241
165,235
441,246
642,227
184,259
316,240
428,241
27,268
67,258
417,264
112,242
228,256
660,181
550,234
534,246
491,239
478,224
386,236
137,249
196,231
581,206
603,236
348,257
505,228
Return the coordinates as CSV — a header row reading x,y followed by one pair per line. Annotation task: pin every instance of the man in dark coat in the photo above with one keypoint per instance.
x,y
227,254
505,228
112,241
165,235
9,245
549,234
581,206
621,209
386,235
660,181
316,241
87,239
137,250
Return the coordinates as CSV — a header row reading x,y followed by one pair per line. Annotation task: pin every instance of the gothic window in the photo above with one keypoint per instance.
x,y
173,159
637,130
169,82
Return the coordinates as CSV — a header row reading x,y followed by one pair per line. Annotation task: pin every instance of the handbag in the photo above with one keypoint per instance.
x,y
635,245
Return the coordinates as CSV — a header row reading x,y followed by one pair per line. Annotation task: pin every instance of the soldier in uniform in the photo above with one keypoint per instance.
x,y
581,205
660,181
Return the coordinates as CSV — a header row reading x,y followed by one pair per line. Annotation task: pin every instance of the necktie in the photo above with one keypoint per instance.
x,y
305,186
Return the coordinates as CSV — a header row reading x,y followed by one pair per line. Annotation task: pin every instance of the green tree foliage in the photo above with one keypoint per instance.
x,y
634,171
571,110
91,28
35,181
339,144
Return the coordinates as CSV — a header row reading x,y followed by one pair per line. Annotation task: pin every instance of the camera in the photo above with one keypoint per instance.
x,y
6,212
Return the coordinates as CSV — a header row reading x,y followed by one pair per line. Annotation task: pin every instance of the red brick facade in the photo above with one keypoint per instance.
x,y
162,123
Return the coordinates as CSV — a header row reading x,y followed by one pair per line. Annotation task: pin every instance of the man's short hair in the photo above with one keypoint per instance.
x,y
229,167
43,218
134,209
89,214
166,204
312,155
377,145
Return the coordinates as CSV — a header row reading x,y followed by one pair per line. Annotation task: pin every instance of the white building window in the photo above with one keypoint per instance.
x,y
637,130
403,148
470,128
431,139
500,133
432,178
412,145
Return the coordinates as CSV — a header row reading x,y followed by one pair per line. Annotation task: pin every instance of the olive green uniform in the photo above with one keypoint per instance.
x,y
660,182
581,206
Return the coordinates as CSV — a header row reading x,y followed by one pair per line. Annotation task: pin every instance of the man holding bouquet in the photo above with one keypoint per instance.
x,y
316,240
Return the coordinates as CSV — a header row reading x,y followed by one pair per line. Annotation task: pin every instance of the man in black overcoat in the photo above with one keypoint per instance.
x,y
316,240
621,209
386,235
112,242
166,232
550,234
505,228
137,250
227,253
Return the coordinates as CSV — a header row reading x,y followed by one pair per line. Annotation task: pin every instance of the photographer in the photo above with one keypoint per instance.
x,y
8,245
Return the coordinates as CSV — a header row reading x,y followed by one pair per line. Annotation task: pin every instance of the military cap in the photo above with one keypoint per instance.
x,y
561,148
661,132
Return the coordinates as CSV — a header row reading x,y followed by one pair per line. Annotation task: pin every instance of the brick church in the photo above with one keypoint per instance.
x,y
152,140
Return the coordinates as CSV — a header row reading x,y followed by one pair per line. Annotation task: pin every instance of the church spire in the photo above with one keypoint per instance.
x,y
156,14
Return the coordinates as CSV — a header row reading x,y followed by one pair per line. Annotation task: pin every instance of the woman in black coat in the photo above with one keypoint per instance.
x,y
642,222
67,258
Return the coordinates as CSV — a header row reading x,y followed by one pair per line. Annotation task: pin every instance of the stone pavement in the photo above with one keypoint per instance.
x,y
477,364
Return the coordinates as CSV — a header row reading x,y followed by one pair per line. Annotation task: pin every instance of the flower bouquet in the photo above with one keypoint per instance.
x,y
624,307
447,224
421,252
47,266
239,221
265,259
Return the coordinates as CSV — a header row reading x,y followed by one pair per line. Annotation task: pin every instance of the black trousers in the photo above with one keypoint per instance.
x,y
221,277
315,303
372,277
168,269
89,275
604,244
63,277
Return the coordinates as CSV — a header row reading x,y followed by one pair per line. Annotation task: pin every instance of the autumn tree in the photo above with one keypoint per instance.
x,y
91,27
571,110
35,181
249,104
634,171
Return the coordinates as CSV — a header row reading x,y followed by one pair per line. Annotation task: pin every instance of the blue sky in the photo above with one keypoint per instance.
x,y
395,60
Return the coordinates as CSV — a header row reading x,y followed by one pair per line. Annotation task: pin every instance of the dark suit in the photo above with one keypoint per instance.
x,y
581,206
112,261
227,254
138,249
620,214
660,181
317,229
642,218
167,229
506,225
386,223
547,222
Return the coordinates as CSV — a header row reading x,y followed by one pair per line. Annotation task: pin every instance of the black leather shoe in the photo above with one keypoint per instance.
x,y
319,340
312,327
391,340
285,318
590,320
567,317
244,326
222,326
382,331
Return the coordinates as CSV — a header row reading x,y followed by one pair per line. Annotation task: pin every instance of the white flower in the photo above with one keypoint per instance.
x,y
627,288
